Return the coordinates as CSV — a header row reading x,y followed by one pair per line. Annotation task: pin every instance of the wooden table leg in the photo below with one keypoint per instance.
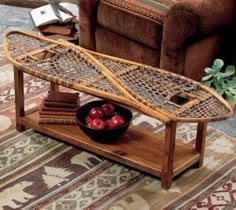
x,y
200,142
19,98
54,87
168,155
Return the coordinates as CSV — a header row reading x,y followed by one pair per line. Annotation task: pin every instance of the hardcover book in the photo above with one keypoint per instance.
x,y
57,109
49,14
62,97
57,121
60,104
56,29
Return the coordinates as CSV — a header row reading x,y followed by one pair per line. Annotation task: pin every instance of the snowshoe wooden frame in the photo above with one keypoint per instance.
x,y
168,97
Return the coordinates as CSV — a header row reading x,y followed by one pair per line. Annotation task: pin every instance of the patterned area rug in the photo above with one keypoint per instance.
x,y
40,172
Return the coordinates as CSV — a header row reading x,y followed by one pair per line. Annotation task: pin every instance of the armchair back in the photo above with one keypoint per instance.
x,y
181,36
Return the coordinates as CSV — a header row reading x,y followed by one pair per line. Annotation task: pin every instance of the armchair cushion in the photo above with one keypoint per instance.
x,y
114,44
139,20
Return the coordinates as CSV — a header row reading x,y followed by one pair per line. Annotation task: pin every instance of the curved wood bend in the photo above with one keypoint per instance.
x,y
155,92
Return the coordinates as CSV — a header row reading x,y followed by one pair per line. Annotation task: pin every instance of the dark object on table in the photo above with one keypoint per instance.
x,y
106,135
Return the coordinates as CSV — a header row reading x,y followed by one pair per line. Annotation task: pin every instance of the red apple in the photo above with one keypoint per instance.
x,y
106,122
108,109
96,124
96,112
116,121
88,120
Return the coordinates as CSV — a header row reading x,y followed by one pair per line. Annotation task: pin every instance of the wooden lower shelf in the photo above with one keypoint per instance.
x,y
138,148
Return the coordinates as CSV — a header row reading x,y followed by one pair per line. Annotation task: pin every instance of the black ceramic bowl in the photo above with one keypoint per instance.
x,y
106,135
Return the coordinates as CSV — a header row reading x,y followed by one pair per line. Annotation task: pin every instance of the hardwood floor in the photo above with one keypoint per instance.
x,y
12,17
15,16
2,28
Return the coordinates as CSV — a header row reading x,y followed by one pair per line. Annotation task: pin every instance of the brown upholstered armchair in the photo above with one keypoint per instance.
x,y
182,36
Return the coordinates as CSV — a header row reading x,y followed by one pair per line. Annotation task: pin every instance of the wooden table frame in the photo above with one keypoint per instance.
x,y
174,156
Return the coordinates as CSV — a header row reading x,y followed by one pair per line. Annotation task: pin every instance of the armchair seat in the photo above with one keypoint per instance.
x,y
182,36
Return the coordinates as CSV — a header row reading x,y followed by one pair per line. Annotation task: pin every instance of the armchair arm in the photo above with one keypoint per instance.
x,y
87,16
191,20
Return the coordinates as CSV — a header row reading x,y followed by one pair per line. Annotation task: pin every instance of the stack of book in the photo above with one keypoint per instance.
x,y
59,20
59,108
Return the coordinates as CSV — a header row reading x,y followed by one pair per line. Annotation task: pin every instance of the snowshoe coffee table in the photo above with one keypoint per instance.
x,y
168,97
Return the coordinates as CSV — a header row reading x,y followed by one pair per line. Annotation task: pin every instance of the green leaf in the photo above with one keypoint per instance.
x,y
223,84
230,70
217,84
232,82
208,83
205,78
218,64
219,77
220,91
208,70
229,97
232,90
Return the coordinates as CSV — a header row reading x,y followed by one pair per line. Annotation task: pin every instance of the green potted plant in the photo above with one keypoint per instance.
x,y
222,80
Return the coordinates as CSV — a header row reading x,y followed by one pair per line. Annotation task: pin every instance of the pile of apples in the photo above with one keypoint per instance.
x,y
104,117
